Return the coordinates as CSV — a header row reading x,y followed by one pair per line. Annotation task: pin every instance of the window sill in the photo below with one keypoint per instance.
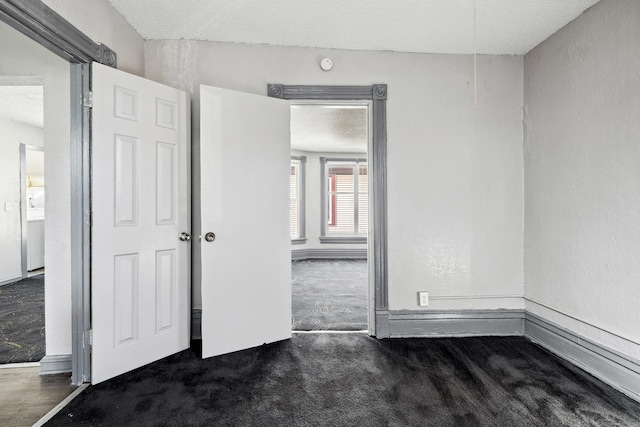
x,y
343,239
299,241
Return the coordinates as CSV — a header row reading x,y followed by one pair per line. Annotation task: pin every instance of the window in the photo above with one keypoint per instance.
x,y
297,199
345,200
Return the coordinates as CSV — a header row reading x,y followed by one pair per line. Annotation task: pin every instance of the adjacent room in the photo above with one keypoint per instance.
x,y
461,230
34,226
22,288
329,216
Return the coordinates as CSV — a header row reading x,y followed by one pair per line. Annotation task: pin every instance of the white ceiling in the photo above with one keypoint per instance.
x,y
431,26
329,128
22,104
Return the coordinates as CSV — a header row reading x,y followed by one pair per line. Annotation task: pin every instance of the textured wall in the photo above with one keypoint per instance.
x,y
582,176
12,134
454,174
103,24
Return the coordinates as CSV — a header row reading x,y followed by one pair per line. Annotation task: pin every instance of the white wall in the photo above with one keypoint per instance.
x,y
24,57
12,134
103,24
454,172
313,201
582,176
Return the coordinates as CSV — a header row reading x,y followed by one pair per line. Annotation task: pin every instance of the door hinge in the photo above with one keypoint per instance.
x,y
87,100
89,337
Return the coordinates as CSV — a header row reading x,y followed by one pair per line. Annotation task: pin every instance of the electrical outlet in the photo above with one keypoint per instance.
x,y
423,299
7,206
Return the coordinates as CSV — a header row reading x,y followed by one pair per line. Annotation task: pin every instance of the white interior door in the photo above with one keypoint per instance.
x,y
246,271
140,292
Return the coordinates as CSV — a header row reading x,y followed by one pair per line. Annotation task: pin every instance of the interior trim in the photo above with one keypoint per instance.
x,y
9,281
620,371
455,323
578,319
343,240
42,24
322,253
302,201
377,94
39,22
55,364
196,323
614,368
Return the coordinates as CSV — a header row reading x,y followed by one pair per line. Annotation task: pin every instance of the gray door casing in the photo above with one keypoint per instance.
x,y
377,95
40,23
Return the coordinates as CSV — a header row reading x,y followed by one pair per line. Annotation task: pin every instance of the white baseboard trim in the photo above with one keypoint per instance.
x,y
9,281
610,366
456,323
55,364
322,253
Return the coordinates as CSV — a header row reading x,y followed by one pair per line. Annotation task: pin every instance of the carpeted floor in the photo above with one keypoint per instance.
x,y
22,321
329,295
354,380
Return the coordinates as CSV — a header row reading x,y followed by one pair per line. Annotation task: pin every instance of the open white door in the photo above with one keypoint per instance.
x,y
140,282
246,268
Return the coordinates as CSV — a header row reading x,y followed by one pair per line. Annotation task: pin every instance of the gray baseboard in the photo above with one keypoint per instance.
x,y
322,253
614,368
382,323
196,324
456,323
55,364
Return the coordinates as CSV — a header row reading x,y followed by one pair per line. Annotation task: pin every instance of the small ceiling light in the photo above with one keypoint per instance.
x,y
326,64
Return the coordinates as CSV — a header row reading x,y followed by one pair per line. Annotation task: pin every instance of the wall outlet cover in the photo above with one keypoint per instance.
x,y
423,299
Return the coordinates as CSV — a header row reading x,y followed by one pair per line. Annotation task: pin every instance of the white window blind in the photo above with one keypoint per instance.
x,y
294,199
347,197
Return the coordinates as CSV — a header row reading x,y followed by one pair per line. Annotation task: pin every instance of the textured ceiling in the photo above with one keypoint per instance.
x,y
22,104
329,129
432,26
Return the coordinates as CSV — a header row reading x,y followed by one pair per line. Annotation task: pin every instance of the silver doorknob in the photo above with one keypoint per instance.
x,y
185,237
209,237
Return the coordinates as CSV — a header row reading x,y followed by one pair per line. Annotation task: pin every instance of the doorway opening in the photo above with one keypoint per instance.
x,y
376,97
329,215
22,301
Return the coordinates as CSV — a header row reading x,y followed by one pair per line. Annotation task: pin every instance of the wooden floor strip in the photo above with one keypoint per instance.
x,y
60,405
25,395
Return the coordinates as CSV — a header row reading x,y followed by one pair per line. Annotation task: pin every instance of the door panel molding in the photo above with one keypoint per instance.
x,y
42,24
140,265
377,94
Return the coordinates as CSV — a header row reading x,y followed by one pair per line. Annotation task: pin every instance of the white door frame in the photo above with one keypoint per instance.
x,y
39,22
23,206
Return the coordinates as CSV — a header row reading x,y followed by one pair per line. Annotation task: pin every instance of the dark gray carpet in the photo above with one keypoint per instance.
x,y
329,295
354,380
22,321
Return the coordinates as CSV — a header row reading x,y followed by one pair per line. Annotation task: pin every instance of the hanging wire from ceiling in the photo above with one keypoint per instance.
x,y
475,59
